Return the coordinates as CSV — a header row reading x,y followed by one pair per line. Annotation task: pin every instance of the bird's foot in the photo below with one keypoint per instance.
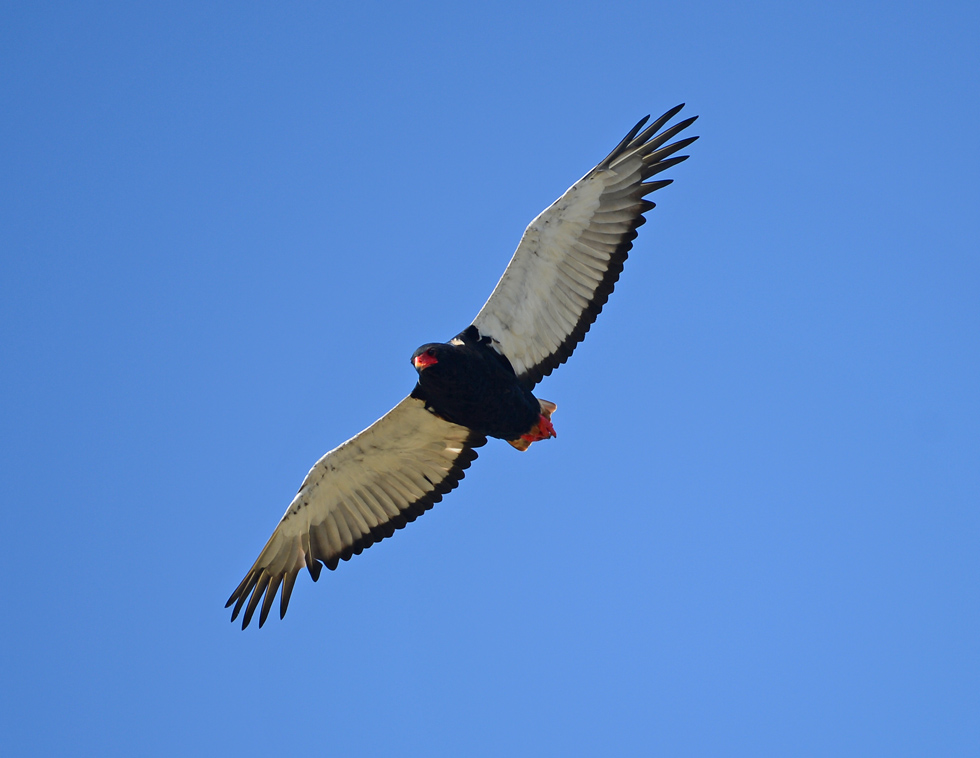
x,y
542,429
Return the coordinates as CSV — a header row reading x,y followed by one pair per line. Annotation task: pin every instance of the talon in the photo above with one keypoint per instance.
x,y
542,429
545,428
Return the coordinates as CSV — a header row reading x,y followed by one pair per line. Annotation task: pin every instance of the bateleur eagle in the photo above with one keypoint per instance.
x,y
477,385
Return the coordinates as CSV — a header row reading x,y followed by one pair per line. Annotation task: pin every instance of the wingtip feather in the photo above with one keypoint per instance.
x,y
287,591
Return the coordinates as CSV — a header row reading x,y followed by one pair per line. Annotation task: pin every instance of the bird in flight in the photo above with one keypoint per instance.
x,y
478,384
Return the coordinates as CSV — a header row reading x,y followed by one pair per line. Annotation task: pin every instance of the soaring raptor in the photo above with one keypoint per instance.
x,y
478,384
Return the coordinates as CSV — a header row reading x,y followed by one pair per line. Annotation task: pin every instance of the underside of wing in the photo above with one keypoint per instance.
x,y
356,495
571,255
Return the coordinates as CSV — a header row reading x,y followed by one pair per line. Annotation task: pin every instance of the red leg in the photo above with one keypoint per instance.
x,y
540,431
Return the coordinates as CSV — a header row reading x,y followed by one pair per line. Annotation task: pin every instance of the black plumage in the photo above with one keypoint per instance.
x,y
473,385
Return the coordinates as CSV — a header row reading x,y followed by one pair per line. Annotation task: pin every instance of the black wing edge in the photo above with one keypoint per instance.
x,y
655,159
259,582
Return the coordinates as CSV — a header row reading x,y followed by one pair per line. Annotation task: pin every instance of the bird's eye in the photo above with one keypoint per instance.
x,y
430,352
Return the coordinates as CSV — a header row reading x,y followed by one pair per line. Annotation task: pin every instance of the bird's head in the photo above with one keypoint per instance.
x,y
425,356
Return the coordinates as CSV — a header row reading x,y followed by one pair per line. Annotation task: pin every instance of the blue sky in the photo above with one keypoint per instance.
x,y
225,228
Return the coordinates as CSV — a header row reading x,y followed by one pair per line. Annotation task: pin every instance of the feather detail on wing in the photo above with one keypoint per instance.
x,y
356,495
571,255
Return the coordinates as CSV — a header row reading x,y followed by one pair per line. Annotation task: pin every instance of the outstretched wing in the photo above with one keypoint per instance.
x,y
356,495
572,254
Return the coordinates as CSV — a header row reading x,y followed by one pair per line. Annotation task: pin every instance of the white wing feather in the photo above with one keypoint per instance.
x,y
356,495
571,255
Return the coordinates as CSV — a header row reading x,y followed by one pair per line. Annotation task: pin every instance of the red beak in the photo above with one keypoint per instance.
x,y
424,360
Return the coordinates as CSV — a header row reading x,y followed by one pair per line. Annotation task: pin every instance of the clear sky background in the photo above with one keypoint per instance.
x,y
224,228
